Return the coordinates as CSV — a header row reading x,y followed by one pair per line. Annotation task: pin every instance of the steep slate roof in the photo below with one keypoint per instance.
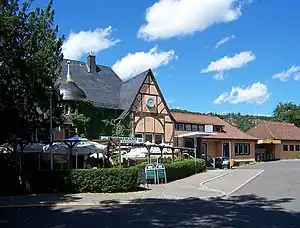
x,y
275,130
230,132
105,88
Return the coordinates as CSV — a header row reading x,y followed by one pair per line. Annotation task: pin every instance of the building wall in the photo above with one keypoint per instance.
x,y
154,120
215,146
280,154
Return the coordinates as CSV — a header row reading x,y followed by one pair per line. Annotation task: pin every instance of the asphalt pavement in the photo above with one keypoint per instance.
x,y
272,199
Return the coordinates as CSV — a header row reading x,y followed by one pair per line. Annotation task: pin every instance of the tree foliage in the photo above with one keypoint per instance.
x,y
79,116
288,112
30,63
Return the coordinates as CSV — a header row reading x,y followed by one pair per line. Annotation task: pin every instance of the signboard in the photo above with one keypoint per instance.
x,y
161,173
150,172
123,140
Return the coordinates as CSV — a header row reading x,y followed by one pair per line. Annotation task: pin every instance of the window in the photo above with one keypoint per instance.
x,y
194,127
242,149
203,148
292,148
297,147
188,127
285,148
201,128
189,142
138,135
180,127
148,138
158,138
67,133
217,128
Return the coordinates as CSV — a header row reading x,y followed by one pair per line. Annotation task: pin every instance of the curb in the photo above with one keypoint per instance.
x,y
204,188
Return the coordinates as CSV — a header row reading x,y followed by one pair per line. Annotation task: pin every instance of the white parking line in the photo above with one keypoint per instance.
x,y
246,182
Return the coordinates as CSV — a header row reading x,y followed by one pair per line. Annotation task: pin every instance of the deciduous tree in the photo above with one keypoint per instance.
x,y
30,62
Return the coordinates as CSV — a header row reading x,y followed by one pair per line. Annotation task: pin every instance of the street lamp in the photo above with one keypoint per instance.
x,y
50,127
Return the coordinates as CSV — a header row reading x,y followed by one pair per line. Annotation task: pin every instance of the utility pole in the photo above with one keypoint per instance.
x,y
51,129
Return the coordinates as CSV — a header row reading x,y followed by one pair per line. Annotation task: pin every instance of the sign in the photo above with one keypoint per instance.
x,y
123,140
150,172
161,172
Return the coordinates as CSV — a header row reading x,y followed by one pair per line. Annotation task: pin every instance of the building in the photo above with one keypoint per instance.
x,y
141,99
280,140
216,137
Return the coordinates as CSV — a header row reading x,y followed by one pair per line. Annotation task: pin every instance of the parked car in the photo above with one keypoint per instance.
x,y
222,163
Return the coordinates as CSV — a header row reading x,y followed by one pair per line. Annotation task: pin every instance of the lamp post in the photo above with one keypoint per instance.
x,y
50,127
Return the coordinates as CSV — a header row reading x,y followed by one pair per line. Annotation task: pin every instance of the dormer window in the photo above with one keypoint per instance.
x,y
218,128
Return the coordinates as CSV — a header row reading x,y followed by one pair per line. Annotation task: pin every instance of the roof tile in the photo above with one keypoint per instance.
x,y
230,132
275,130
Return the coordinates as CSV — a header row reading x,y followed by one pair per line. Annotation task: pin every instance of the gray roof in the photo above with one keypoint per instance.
x,y
71,91
104,87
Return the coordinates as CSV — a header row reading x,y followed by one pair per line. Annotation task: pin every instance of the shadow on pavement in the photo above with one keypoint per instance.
x,y
38,199
237,211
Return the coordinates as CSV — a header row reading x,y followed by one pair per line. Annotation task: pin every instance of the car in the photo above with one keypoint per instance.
x,y
222,162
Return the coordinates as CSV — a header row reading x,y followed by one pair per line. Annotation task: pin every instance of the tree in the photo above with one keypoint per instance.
x,y
287,112
30,63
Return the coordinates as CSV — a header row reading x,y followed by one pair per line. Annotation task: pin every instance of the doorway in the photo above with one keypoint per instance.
x,y
225,152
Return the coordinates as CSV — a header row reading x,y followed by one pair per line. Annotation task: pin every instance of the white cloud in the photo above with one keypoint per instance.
x,y
283,76
170,18
79,44
224,40
257,93
135,63
226,63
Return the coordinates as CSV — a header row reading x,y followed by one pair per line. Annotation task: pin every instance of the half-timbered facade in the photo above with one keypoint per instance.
x,y
150,114
141,99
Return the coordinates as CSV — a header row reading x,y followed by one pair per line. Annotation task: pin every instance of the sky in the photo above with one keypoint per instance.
x,y
207,55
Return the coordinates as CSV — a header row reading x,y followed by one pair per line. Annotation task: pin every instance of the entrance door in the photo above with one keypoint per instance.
x,y
225,150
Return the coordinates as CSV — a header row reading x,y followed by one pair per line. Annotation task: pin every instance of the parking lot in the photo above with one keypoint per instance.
x,y
260,199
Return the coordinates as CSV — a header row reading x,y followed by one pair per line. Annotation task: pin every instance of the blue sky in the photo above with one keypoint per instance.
x,y
256,68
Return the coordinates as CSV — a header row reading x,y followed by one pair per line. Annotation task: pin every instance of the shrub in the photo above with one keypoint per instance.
x,y
82,180
184,168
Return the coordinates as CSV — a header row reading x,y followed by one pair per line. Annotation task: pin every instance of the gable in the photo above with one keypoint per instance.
x,y
149,90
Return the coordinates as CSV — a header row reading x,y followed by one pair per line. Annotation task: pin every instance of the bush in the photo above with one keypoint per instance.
x,y
82,180
184,168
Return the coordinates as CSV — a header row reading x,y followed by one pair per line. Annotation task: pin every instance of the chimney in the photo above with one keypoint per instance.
x,y
91,63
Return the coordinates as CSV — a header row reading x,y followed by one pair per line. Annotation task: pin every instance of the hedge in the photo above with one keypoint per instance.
x,y
182,168
82,180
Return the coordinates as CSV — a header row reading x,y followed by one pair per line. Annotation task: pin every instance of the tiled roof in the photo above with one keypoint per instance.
x,y
275,130
104,87
230,132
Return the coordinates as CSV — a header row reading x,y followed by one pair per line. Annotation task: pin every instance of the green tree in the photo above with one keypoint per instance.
x,y
30,63
287,112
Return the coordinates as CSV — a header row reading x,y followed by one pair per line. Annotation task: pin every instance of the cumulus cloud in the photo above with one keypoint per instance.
x,y
135,63
257,93
170,18
224,40
227,63
79,44
283,76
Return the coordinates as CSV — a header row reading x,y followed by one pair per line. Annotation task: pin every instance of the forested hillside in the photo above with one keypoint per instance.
x,y
284,112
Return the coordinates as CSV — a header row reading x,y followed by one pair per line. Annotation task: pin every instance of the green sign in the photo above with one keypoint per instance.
x,y
161,173
150,172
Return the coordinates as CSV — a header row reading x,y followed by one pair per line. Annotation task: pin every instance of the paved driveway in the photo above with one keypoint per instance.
x,y
280,179
270,200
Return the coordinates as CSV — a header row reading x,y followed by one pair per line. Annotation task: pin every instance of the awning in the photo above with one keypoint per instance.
x,y
269,141
195,134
